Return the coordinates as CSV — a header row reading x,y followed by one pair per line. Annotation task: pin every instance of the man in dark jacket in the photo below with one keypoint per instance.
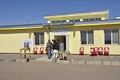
x,y
55,50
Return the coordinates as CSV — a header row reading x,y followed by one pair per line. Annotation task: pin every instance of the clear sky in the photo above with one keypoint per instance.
x,y
14,12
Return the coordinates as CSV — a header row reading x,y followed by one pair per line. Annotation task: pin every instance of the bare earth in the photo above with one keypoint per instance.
x,y
54,71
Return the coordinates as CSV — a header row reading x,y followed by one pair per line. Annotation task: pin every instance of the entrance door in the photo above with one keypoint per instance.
x,y
62,42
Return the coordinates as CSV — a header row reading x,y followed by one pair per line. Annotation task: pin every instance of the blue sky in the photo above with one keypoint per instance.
x,y
14,12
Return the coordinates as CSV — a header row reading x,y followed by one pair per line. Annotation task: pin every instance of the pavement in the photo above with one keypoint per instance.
x,y
72,59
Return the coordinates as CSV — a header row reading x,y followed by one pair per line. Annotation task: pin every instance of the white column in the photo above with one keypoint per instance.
x,y
67,42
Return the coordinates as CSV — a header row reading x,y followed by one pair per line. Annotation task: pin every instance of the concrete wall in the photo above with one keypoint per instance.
x,y
98,32
12,42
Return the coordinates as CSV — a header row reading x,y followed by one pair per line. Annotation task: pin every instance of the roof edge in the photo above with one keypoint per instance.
x,y
76,14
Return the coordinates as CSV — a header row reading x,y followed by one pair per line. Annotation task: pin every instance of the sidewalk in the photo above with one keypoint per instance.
x,y
72,59
94,58
17,57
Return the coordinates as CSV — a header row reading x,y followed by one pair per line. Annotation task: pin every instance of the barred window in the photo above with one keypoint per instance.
x,y
39,38
87,37
111,36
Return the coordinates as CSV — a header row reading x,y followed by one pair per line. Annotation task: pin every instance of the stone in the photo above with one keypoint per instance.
x,y
81,62
116,63
98,62
89,62
106,62
66,62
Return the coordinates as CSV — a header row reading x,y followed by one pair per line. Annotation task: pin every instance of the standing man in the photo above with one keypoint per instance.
x,y
49,48
55,50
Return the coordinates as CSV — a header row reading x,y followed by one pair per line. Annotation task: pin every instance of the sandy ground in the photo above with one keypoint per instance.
x,y
54,71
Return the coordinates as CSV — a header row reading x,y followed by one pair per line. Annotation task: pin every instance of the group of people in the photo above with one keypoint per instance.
x,y
52,49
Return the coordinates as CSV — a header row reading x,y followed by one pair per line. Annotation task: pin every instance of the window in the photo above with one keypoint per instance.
x,y
86,20
75,20
39,38
98,19
53,21
111,36
92,19
107,36
90,37
58,21
63,21
87,37
71,20
83,37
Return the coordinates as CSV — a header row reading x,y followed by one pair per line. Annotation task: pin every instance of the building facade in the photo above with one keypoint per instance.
x,y
89,29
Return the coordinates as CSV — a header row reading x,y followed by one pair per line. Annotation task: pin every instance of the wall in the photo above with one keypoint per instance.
x,y
74,41
12,42
75,38
98,40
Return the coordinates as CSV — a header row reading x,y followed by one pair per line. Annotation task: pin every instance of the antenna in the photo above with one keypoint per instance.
x,y
28,30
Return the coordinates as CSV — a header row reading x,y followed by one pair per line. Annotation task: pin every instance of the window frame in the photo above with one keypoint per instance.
x,y
111,37
87,37
37,36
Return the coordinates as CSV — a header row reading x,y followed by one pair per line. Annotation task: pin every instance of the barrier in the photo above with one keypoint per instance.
x,y
96,49
92,51
81,51
106,51
35,50
41,50
100,51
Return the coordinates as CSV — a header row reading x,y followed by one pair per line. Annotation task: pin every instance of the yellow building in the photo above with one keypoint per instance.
x,y
89,29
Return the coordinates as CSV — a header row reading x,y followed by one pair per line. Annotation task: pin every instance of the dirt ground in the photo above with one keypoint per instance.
x,y
55,71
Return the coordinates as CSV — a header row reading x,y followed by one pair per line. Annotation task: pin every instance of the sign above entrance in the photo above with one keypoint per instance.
x,y
61,32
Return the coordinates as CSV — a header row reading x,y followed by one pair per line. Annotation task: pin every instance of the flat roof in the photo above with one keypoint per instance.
x,y
77,14
41,25
20,25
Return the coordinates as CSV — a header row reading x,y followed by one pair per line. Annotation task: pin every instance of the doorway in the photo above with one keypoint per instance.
x,y
62,42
